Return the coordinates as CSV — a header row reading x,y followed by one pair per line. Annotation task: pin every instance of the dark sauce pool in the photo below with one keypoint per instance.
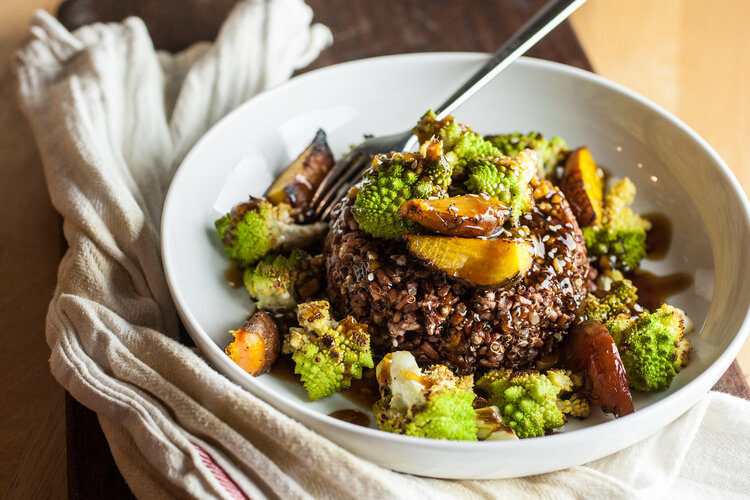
x,y
363,392
659,237
654,290
283,369
233,275
352,416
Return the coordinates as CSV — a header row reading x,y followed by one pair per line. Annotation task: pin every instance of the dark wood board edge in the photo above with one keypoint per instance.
x,y
92,472
733,382
400,26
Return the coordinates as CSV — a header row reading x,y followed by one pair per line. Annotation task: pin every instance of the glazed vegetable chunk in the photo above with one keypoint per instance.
x,y
551,152
433,404
255,228
589,349
652,346
491,262
256,344
583,185
490,426
297,184
459,142
606,305
467,216
621,236
327,354
506,179
280,282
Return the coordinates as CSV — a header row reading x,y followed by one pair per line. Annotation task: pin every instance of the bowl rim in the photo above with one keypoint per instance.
x,y
701,383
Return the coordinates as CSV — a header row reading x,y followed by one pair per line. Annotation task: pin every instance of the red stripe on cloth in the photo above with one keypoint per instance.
x,y
220,474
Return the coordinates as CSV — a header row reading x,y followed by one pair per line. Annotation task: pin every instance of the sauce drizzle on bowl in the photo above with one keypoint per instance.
x,y
654,290
659,237
233,275
352,416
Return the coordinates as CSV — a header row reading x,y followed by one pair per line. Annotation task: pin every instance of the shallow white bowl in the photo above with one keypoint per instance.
x,y
676,173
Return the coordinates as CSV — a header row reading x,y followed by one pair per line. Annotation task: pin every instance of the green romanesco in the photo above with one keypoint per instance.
x,y
327,354
551,152
394,179
459,142
621,237
434,404
256,227
602,306
280,282
570,399
652,346
618,325
506,179
532,403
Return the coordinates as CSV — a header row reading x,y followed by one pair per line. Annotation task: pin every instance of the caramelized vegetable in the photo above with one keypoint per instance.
x,y
256,344
490,426
488,262
299,181
583,187
469,216
590,350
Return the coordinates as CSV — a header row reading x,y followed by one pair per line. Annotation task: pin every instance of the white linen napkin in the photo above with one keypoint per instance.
x,y
113,119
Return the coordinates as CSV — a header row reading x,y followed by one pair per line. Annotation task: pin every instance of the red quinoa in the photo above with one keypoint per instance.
x,y
440,319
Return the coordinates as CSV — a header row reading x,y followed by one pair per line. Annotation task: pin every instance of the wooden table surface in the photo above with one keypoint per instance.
x,y
688,58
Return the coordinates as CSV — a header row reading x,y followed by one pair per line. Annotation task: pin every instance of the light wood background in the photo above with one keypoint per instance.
x,y
32,412
690,56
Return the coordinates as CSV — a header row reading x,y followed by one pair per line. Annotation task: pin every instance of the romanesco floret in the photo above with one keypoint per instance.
x,y
279,282
530,401
621,237
570,399
652,347
434,404
256,227
551,152
602,306
618,325
394,179
506,179
459,142
327,354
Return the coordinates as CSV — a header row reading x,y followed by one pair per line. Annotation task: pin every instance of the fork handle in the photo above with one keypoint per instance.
x,y
534,30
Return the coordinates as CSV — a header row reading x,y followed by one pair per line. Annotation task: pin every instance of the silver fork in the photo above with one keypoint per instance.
x,y
349,169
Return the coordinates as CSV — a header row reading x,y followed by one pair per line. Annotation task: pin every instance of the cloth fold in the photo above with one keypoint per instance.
x,y
112,119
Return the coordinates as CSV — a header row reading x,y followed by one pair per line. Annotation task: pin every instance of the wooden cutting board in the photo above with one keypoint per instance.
x,y
361,28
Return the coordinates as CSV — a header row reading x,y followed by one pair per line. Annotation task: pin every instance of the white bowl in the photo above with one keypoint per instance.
x,y
676,173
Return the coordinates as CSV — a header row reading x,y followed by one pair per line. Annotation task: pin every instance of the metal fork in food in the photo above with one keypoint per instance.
x,y
349,169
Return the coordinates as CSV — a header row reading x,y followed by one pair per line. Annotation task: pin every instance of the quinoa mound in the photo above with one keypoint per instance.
x,y
444,320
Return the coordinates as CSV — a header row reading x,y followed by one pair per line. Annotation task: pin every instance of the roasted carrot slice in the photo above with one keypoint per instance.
x,y
583,186
256,344
487,262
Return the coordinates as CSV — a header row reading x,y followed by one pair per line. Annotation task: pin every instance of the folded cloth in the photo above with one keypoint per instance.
x,y
113,119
